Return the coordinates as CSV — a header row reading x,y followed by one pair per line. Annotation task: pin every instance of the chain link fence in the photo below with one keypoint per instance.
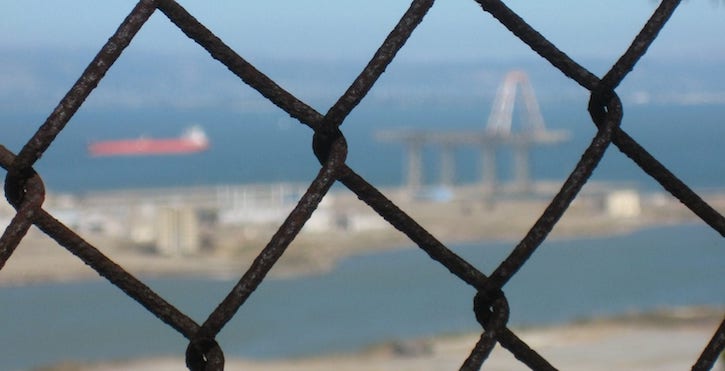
x,y
25,191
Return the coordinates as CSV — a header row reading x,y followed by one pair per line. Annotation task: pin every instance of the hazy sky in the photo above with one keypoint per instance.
x,y
343,29
594,33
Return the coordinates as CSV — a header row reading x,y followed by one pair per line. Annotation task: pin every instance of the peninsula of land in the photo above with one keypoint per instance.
x,y
342,226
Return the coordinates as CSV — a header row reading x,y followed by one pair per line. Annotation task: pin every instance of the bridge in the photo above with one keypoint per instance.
x,y
497,135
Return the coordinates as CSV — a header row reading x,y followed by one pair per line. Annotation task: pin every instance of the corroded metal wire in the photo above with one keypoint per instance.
x,y
25,191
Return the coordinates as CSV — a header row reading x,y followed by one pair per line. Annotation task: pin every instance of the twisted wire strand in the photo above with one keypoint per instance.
x,y
196,31
714,348
279,242
83,87
106,267
380,60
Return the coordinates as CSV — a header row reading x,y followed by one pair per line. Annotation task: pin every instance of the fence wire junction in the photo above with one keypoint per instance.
x,y
25,191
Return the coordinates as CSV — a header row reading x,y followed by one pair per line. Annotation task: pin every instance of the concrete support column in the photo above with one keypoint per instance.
x,y
414,169
522,180
489,179
448,166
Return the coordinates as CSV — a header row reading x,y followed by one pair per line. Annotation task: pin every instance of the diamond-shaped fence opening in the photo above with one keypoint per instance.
x,y
25,190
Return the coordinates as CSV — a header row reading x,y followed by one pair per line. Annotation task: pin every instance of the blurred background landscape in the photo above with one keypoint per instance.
x,y
192,223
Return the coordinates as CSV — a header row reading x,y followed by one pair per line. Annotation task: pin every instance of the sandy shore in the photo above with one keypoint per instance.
x,y
662,341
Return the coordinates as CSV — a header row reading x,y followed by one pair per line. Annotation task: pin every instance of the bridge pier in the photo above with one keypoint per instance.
x,y
496,135
488,168
522,179
414,168
448,165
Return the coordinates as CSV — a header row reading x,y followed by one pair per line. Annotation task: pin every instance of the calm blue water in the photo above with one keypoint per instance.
x,y
267,147
369,299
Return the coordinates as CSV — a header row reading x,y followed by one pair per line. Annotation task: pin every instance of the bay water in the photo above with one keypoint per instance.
x,y
375,297
369,299
269,146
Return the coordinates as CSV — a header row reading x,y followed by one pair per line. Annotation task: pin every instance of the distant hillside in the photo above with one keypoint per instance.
x,y
143,79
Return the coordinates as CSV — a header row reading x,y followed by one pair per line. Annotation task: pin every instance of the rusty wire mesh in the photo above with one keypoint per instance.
x,y
25,191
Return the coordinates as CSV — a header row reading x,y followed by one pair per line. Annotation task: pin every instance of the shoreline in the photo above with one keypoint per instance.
x,y
669,339
39,260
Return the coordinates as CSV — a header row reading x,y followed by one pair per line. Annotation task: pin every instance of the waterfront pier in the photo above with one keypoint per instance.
x,y
495,136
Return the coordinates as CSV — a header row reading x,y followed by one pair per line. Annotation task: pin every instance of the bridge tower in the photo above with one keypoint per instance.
x,y
499,128
496,135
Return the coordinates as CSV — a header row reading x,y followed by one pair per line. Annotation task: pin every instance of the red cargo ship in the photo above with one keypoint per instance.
x,y
192,140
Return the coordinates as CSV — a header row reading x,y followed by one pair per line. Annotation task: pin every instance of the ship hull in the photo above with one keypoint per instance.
x,y
194,140
144,147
